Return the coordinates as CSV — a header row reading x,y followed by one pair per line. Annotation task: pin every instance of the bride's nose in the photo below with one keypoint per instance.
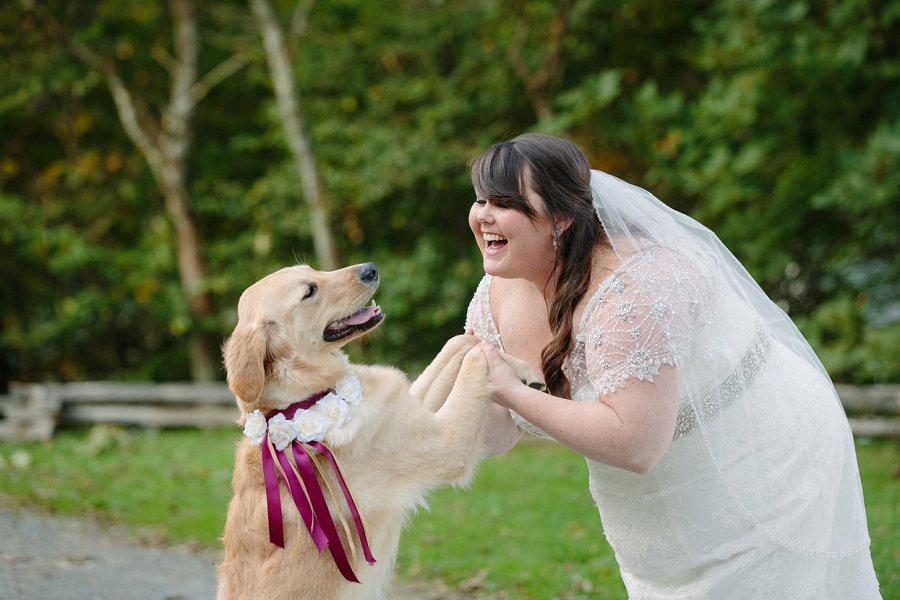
x,y
483,213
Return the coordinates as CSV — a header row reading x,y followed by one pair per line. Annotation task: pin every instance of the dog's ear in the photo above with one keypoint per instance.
x,y
245,355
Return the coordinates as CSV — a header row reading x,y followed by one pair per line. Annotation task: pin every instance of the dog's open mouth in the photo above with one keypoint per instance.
x,y
362,320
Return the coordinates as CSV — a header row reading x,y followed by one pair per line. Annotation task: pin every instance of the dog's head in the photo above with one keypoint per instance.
x,y
290,327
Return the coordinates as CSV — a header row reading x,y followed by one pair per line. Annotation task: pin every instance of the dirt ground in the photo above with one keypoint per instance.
x,y
44,557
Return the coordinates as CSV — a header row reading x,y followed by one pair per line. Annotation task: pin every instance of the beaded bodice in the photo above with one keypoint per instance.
x,y
655,309
643,316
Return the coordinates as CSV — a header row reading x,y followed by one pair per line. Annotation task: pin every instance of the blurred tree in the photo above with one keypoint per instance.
x,y
165,144
777,125
539,80
292,120
791,152
762,120
81,251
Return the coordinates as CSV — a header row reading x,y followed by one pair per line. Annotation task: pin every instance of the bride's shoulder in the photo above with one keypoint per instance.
x,y
651,276
668,264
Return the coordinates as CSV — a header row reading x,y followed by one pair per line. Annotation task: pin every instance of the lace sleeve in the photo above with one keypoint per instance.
x,y
478,315
646,317
481,321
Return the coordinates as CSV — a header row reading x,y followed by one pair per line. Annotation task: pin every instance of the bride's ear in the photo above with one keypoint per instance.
x,y
562,223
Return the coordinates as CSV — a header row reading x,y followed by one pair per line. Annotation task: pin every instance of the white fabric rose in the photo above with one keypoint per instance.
x,y
281,431
331,411
255,427
335,409
310,425
350,389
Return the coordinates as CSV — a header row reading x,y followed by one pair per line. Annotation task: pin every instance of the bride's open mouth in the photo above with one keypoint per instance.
x,y
494,242
362,320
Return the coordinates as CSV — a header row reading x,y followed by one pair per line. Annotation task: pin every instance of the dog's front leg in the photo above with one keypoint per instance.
x,y
462,418
434,384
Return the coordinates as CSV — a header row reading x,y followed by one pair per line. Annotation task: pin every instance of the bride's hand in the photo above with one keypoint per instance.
x,y
502,375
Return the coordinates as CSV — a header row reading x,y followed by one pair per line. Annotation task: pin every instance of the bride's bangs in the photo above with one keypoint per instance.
x,y
499,175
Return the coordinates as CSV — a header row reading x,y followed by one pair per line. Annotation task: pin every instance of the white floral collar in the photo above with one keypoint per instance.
x,y
332,410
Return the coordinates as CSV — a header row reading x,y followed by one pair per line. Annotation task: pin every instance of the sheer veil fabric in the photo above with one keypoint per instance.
x,y
759,494
735,308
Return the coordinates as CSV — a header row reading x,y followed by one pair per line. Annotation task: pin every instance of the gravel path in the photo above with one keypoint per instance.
x,y
45,557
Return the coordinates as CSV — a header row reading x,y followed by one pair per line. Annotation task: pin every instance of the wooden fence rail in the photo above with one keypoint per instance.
x,y
35,411
873,410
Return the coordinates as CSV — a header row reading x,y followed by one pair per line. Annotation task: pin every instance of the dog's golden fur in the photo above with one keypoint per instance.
x,y
401,441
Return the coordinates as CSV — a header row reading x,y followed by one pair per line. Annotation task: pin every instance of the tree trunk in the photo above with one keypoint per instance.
x,y
175,143
165,145
288,99
539,82
192,273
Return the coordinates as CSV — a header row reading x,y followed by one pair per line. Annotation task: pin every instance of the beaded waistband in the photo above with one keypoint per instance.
x,y
752,363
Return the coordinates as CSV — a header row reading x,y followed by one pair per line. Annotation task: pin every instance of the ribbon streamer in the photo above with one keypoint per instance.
x,y
306,492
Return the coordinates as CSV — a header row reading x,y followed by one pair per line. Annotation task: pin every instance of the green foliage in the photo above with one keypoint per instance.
x,y
851,349
775,124
526,528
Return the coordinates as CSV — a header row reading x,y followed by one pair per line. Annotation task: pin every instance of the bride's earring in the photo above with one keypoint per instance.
x,y
556,239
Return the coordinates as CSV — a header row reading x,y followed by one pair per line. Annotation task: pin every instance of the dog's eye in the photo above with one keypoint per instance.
x,y
311,291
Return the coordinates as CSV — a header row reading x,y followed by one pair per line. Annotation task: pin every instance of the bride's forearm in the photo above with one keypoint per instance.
x,y
634,440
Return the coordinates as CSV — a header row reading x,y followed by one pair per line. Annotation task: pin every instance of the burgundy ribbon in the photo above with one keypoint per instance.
x,y
307,495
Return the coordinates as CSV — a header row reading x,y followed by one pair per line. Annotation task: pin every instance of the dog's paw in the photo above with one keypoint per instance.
x,y
526,374
462,342
538,385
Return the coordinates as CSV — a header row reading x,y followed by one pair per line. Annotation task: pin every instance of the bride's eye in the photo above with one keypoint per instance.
x,y
311,291
480,201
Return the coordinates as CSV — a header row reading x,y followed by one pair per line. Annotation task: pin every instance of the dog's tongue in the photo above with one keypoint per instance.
x,y
361,316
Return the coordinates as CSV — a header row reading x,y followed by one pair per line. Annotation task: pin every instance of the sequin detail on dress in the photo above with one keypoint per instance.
x,y
732,389
641,318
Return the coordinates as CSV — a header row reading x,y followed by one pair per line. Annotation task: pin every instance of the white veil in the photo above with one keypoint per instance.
x,y
755,402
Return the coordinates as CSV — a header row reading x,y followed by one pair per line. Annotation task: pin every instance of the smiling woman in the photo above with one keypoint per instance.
x,y
720,458
514,243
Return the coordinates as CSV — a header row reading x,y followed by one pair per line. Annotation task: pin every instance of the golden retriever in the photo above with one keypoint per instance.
x,y
399,442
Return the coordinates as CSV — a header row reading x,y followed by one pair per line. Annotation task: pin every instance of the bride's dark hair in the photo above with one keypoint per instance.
x,y
557,171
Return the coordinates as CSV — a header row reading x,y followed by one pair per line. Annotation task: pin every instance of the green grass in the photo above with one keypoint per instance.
x,y
171,486
526,527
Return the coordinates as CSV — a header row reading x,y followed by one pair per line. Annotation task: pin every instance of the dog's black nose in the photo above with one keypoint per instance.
x,y
368,273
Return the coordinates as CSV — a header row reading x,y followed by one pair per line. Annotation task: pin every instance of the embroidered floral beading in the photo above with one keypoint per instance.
x,y
478,315
642,319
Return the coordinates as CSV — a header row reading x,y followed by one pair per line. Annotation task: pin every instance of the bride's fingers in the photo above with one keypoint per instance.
x,y
495,361
488,349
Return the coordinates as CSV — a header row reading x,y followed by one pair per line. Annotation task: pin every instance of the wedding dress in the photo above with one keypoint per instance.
x,y
758,496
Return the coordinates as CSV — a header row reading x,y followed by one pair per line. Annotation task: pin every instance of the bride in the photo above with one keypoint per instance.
x,y
720,458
